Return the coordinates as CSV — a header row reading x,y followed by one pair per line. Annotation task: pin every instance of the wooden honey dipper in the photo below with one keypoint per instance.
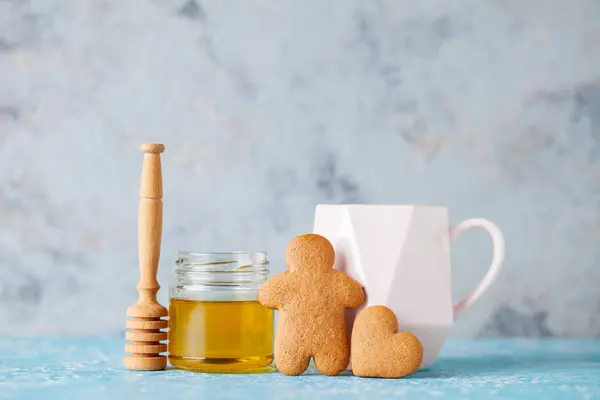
x,y
144,323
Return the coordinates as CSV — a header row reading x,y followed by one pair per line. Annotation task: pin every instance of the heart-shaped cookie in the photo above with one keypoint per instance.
x,y
378,350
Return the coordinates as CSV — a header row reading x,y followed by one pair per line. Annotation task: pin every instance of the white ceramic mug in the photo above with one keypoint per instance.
x,y
401,256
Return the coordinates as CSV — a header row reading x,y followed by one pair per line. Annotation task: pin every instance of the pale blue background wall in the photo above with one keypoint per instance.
x,y
270,107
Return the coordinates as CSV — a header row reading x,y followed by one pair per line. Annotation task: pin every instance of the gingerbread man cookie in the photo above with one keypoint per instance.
x,y
311,298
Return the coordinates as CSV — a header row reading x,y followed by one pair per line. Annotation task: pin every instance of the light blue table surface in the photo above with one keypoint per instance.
x,y
91,368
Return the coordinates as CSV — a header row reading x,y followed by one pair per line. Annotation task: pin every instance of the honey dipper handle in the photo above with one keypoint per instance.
x,y
150,223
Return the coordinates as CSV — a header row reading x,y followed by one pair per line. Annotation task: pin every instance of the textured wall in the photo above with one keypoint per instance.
x,y
270,107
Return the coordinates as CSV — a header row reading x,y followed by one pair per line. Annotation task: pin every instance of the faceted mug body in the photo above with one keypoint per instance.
x,y
401,256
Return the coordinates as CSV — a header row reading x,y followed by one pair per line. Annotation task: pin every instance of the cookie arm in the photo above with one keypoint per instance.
x,y
353,292
272,293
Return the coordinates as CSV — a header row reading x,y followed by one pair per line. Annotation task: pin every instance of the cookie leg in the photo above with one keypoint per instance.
x,y
292,360
332,360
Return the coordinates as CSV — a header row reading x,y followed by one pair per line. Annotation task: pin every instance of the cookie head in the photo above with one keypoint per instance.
x,y
309,251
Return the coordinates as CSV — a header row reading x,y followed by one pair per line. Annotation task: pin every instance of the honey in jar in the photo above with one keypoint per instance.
x,y
216,323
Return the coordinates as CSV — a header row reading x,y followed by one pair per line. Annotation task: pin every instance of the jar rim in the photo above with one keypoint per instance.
x,y
211,253
229,261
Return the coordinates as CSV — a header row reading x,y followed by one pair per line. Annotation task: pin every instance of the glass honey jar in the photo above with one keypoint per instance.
x,y
216,323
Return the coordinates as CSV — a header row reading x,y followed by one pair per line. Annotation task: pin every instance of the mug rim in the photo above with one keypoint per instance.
x,y
384,205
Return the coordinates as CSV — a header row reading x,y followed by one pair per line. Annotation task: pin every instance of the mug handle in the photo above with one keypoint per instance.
x,y
497,259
